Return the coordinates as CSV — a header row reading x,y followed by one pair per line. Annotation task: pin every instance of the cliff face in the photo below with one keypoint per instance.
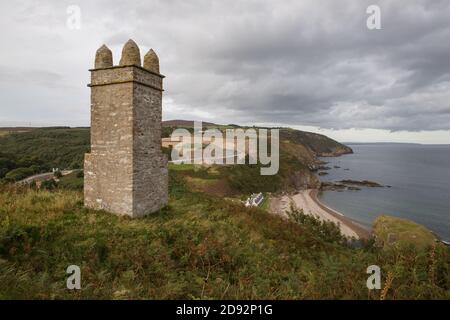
x,y
304,179
298,162
301,150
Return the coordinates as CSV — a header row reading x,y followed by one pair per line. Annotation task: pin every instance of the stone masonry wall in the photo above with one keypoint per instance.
x,y
126,172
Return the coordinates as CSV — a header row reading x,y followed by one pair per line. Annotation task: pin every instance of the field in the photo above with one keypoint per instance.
x,y
5,131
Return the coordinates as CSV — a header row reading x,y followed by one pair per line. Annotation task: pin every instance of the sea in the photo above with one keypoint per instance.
x,y
418,176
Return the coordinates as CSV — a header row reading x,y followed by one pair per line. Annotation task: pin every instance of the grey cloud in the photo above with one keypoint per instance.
x,y
291,62
25,76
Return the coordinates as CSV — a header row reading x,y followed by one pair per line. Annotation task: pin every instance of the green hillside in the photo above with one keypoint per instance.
x,y
321,145
204,244
23,154
199,246
397,232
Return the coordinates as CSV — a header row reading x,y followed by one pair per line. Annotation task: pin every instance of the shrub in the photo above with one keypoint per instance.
x,y
49,184
19,174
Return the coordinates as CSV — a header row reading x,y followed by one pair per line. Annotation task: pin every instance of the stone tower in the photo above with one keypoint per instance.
x,y
126,171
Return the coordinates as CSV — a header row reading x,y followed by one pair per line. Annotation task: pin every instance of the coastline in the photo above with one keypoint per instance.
x,y
308,201
362,232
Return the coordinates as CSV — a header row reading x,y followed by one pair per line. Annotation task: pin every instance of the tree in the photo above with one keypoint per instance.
x,y
18,174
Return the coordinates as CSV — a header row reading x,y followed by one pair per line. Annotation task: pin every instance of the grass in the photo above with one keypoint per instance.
x,y
265,203
181,167
199,246
393,231
4,131
73,181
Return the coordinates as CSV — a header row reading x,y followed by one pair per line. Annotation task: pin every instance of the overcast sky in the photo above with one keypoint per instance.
x,y
307,64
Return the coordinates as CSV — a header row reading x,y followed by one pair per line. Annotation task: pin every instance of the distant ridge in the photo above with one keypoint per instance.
x,y
380,143
17,128
188,123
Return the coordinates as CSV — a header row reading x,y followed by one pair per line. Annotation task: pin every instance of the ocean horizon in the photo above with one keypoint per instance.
x,y
418,176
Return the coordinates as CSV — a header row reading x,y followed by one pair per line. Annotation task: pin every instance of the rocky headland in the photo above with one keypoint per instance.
x,y
353,185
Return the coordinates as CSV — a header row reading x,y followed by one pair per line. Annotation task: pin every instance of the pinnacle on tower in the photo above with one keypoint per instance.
x,y
130,54
103,58
151,61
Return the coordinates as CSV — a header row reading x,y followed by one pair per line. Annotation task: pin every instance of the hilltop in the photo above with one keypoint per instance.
x,y
185,123
319,144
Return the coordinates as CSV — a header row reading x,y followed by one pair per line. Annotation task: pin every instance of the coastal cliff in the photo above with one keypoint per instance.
x,y
304,148
319,144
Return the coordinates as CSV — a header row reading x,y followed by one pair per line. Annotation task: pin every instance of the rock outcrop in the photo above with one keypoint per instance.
x,y
364,183
304,179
